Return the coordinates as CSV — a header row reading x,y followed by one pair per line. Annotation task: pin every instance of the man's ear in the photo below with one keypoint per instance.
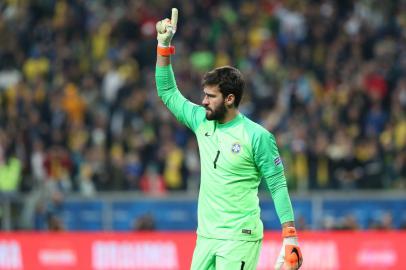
x,y
230,99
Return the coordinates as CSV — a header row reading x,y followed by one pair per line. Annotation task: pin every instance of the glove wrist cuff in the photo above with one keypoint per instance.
x,y
289,232
165,50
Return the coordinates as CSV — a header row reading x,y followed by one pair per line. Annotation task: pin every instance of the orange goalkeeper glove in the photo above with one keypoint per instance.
x,y
290,254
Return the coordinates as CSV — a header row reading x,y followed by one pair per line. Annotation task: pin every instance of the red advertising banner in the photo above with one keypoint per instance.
x,y
173,250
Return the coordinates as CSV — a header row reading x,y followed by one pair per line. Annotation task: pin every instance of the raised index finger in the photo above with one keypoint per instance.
x,y
174,18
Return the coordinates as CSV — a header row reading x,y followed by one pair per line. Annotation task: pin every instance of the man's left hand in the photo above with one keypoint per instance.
x,y
290,254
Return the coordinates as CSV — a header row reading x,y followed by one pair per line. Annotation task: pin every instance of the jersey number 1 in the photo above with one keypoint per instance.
x,y
215,160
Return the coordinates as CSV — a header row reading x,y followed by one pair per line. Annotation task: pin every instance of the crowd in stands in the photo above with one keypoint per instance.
x,y
79,110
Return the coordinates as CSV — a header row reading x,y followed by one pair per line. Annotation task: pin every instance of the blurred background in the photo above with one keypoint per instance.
x,y
85,143
87,147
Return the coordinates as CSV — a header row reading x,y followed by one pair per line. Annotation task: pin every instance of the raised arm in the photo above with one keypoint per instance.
x,y
185,111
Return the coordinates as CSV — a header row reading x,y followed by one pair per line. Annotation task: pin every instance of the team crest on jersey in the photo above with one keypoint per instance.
x,y
236,148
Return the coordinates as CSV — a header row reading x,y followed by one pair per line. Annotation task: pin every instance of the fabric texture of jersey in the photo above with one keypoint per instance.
x,y
234,157
221,254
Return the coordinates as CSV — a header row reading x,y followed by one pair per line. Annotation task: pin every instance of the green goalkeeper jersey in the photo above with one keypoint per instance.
x,y
233,156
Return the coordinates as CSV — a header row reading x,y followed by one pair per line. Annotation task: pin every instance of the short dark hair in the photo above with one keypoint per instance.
x,y
229,81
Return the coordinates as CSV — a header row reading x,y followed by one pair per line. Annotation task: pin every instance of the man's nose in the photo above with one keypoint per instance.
x,y
205,101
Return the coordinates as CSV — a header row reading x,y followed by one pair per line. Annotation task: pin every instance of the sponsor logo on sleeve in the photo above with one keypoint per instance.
x,y
277,161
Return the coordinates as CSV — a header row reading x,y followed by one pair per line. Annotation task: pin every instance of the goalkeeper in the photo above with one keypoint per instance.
x,y
235,153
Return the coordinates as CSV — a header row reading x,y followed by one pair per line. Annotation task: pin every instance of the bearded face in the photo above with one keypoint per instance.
x,y
216,112
214,103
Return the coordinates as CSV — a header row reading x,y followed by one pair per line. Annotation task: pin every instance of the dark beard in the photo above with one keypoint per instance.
x,y
218,113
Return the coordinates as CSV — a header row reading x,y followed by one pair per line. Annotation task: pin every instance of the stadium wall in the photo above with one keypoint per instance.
x,y
121,211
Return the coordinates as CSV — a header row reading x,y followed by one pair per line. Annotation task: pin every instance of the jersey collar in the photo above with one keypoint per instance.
x,y
231,123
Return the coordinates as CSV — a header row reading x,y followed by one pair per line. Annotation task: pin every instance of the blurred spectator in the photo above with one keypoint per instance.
x,y
54,224
173,166
145,222
371,163
58,165
403,225
301,223
345,222
329,223
349,222
151,182
383,222
133,170
47,211
77,95
10,174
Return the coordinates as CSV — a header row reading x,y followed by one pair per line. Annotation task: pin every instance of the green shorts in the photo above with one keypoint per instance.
x,y
221,254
